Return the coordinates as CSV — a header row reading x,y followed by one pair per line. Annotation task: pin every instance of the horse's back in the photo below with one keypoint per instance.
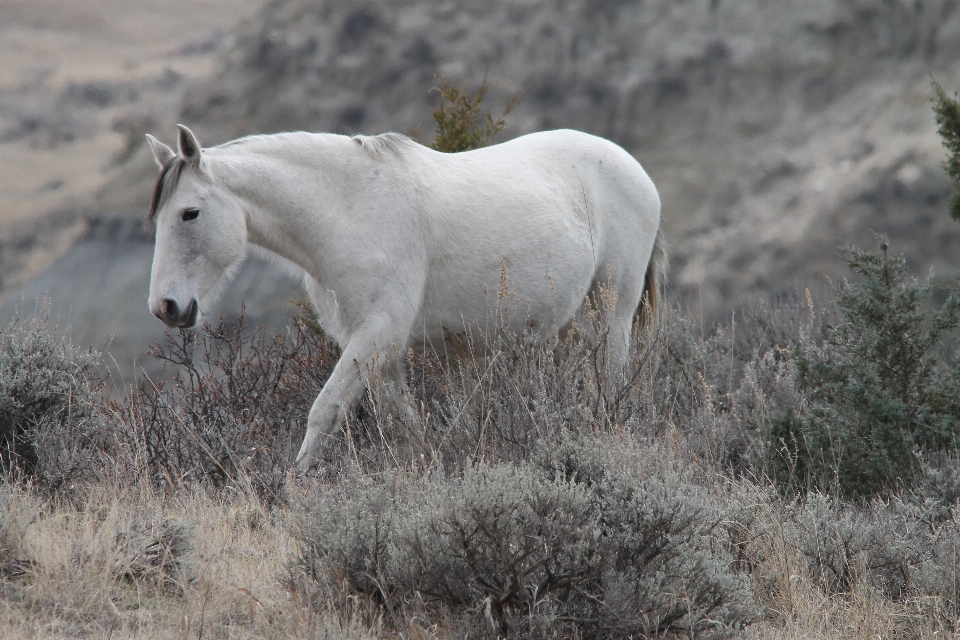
x,y
572,165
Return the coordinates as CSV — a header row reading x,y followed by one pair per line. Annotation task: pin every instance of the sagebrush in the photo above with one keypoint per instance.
x,y
49,399
574,543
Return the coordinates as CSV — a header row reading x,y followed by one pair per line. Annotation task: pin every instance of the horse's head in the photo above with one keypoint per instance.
x,y
201,233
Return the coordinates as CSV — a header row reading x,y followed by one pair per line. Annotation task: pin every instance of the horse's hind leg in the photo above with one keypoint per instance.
x,y
393,395
618,329
611,327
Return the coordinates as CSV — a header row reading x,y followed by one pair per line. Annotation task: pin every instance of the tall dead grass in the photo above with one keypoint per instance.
x,y
129,562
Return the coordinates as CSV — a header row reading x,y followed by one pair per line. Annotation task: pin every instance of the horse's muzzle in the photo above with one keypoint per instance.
x,y
175,317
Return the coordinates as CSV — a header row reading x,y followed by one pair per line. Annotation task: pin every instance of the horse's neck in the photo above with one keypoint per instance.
x,y
282,197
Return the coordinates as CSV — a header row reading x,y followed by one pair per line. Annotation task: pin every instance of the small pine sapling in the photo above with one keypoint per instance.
x,y
461,125
879,392
947,113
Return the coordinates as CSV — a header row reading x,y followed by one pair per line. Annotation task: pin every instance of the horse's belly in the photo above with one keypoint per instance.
x,y
516,291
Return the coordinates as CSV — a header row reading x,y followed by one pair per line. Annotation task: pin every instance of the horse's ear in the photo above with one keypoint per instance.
x,y
162,154
190,149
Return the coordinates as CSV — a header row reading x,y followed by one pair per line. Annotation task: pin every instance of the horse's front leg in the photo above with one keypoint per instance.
x,y
361,356
343,386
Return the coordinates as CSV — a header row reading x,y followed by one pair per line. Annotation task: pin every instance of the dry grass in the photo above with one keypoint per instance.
x,y
95,569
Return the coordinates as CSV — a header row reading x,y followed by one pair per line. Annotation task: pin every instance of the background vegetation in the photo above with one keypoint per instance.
x,y
792,473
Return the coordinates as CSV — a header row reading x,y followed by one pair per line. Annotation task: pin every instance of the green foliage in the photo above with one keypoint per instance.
x,y
878,393
49,394
571,545
947,113
461,125
936,490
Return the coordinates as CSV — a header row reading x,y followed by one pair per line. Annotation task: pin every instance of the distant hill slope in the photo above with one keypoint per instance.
x,y
774,131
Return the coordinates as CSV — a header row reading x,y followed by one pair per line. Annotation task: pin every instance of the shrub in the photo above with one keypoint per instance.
x,y
457,115
154,553
808,556
570,545
49,394
936,578
889,545
878,391
947,113
233,412
843,543
936,491
510,393
722,387
666,564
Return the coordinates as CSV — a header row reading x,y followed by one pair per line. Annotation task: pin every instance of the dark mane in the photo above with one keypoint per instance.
x,y
166,183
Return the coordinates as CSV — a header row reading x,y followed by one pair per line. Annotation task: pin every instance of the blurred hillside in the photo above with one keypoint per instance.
x,y
775,131
79,81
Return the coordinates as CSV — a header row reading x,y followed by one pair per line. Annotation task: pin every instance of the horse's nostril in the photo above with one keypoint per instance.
x,y
191,313
169,309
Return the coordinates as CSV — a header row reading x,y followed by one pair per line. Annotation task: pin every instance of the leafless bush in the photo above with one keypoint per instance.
x,y
507,394
233,410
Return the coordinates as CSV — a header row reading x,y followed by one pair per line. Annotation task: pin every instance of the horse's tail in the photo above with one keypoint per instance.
x,y
650,310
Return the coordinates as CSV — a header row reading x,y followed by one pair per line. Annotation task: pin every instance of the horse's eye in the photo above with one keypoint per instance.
x,y
190,214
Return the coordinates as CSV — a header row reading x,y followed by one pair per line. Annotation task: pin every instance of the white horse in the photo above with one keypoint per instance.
x,y
400,246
